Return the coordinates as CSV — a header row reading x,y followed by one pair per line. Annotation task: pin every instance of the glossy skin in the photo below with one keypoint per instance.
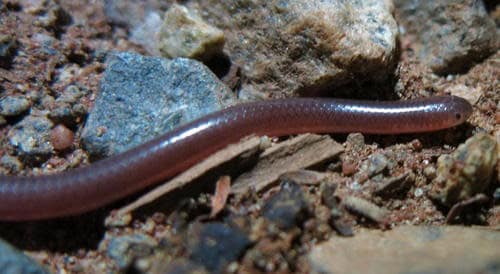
x,y
84,189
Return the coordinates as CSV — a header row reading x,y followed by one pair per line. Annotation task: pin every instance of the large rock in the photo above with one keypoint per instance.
x,y
452,35
410,249
143,97
13,261
301,47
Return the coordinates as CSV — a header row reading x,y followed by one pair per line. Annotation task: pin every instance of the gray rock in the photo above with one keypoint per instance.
x,y
48,44
124,250
13,105
301,47
215,245
13,261
31,137
375,164
67,108
452,35
11,163
143,97
410,249
131,13
286,207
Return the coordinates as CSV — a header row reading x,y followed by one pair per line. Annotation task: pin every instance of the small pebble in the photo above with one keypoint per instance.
x,y
286,207
13,105
348,168
496,194
216,245
31,137
61,137
124,250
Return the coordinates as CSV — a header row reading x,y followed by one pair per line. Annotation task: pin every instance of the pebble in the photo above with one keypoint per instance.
x,y
51,14
143,97
215,245
124,250
452,34
185,34
306,46
410,249
466,172
14,105
286,207
8,45
375,164
356,141
13,261
11,163
68,108
31,137
61,137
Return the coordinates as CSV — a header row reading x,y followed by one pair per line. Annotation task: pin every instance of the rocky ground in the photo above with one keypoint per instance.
x,y
83,80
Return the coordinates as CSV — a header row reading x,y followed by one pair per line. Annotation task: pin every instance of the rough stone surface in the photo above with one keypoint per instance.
x,y
13,105
143,97
410,249
31,137
124,250
467,171
289,47
67,108
13,261
286,207
185,34
452,35
215,245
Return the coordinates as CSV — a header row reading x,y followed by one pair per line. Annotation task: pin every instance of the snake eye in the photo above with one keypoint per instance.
x,y
458,116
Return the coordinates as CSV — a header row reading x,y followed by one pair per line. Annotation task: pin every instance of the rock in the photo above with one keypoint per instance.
x,y
452,35
375,164
48,44
8,45
303,47
50,14
146,33
496,194
68,108
356,141
11,163
124,250
182,266
215,245
131,13
410,249
61,137
286,207
31,137
143,97
185,34
466,172
13,261
14,105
